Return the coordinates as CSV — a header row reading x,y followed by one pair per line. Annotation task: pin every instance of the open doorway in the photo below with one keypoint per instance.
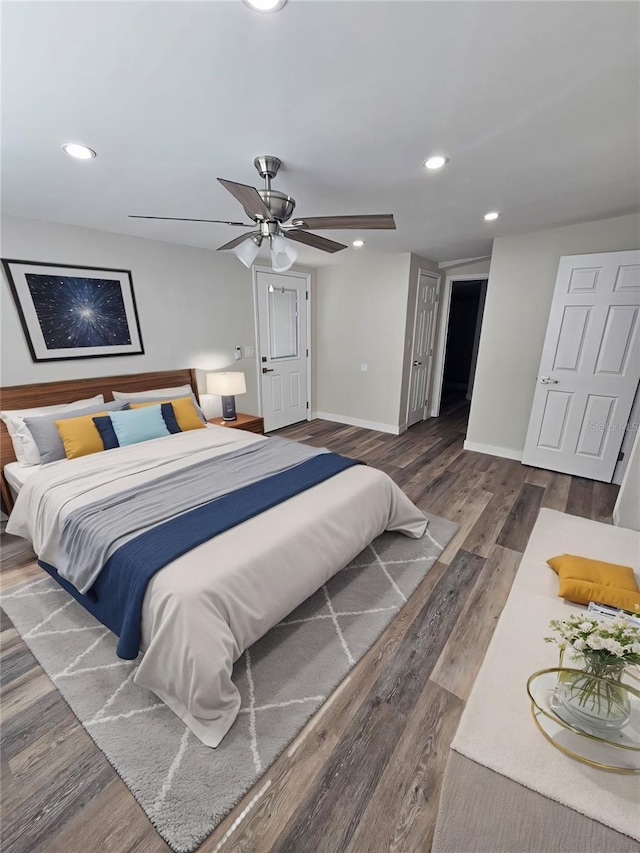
x,y
458,341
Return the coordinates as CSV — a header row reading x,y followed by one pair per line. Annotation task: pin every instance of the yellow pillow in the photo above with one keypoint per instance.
x,y
184,411
583,580
80,436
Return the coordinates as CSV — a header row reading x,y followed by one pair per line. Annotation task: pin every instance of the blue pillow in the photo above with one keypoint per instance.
x,y
170,418
139,425
107,432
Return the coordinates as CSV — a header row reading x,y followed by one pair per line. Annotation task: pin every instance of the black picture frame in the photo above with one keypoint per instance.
x,y
110,313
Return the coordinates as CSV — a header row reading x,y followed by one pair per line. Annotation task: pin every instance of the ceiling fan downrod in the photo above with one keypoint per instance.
x,y
267,167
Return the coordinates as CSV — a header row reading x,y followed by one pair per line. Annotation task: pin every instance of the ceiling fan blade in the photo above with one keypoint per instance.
x,y
314,240
236,241
249,198
181,219
376,221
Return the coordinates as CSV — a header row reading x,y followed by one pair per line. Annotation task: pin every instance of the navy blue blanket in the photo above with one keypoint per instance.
x,y
117,595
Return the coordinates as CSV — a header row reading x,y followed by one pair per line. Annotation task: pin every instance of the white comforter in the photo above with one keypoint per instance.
x,y
203,610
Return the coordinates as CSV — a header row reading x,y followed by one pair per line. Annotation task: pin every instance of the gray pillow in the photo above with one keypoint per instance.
x,y
164,399
45,432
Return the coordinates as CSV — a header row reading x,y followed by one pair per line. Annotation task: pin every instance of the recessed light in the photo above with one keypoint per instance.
x,y
491,216
358,243
80,152
436,162
264,5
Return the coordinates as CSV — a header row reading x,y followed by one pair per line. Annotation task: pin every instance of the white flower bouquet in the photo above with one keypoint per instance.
x,y
607,648
602,643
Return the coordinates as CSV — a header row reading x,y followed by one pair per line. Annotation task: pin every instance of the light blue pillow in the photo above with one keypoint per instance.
x,y
137,425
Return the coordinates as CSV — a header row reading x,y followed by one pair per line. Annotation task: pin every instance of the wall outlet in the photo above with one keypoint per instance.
x,y
364,368
249,352
237,353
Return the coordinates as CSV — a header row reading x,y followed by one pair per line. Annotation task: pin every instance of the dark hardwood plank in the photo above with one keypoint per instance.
x,y
580,498
518,524
604,499
416,769
486,529
461,657
556,493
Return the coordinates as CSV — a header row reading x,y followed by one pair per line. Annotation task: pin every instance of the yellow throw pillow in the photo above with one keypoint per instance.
x,y
80,436
184,411
582,592
583,580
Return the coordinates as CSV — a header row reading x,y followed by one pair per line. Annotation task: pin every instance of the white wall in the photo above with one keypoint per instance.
x,y
365,311
361,317
627,509
521,282
194,305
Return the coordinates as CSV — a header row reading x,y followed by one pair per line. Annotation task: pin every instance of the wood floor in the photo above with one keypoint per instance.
x,y
364,775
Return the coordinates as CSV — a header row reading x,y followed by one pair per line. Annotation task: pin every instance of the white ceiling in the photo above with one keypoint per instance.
x,y
536,104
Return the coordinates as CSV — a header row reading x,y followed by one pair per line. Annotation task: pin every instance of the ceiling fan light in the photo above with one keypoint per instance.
x,y
283,254
247,251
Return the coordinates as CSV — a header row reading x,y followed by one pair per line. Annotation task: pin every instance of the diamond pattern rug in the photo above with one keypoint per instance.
x,y
183,786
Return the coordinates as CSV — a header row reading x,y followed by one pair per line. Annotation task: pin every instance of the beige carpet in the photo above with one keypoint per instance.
x,y
183,786
497,729
484,812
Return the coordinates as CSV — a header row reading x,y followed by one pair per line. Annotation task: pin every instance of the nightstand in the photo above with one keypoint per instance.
x,y
251,423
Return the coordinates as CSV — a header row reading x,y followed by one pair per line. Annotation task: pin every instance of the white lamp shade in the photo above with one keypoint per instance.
x,y
246,252
226,384
283,254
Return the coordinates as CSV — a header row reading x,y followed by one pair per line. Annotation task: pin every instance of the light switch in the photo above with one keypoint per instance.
x,y
249,352
364,368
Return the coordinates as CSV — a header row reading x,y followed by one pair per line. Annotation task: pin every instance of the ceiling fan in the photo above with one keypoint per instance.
x,y
269,209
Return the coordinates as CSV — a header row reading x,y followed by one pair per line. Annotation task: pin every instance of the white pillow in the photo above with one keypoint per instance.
x,y
158,395
180,391
24,445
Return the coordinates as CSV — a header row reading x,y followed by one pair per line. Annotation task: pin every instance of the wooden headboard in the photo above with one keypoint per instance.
x,y
53,393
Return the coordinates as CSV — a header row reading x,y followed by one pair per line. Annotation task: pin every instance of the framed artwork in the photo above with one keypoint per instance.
x,y
74,312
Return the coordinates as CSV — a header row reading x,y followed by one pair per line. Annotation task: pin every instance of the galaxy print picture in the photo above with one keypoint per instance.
x,y
74,312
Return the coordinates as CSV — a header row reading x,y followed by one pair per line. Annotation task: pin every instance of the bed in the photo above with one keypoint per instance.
x,y
202,609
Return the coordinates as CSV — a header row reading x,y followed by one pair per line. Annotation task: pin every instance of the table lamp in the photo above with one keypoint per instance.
x,y
227,385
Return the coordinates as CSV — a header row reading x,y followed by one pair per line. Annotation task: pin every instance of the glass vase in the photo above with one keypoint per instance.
x,y
593,696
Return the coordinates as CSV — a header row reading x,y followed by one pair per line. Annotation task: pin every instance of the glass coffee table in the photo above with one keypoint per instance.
x,y
608,749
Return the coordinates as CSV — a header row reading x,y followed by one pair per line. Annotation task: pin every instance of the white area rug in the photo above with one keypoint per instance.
x,y
183,786
497,729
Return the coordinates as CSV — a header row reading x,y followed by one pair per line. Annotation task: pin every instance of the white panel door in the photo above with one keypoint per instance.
x,y
590,366
422,351
282,306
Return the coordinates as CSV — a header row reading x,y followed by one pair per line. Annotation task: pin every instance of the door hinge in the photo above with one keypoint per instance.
x,y
307,405
620,456
431,351
306,294
307,353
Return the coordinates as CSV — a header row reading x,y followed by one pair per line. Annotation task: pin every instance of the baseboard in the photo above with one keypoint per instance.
x,y
491,450
393,429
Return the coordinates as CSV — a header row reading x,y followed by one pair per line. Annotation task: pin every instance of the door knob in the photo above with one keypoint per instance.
x,y
547,380
268,369
417,364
